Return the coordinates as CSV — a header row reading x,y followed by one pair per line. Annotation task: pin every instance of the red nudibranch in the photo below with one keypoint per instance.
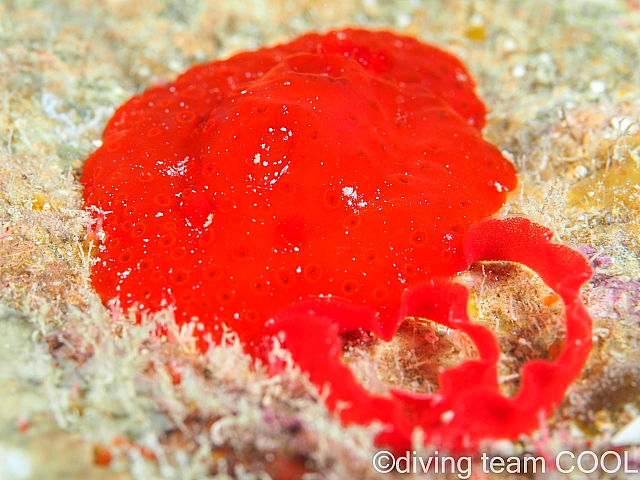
x,y
333,183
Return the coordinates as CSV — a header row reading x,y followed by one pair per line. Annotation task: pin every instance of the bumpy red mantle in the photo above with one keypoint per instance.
x,y
329,184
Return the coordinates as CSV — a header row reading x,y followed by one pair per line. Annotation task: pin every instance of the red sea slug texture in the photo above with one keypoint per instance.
x,y
332,173
317,167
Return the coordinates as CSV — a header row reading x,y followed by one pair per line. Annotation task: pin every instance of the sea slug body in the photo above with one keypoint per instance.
x,y
321,186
